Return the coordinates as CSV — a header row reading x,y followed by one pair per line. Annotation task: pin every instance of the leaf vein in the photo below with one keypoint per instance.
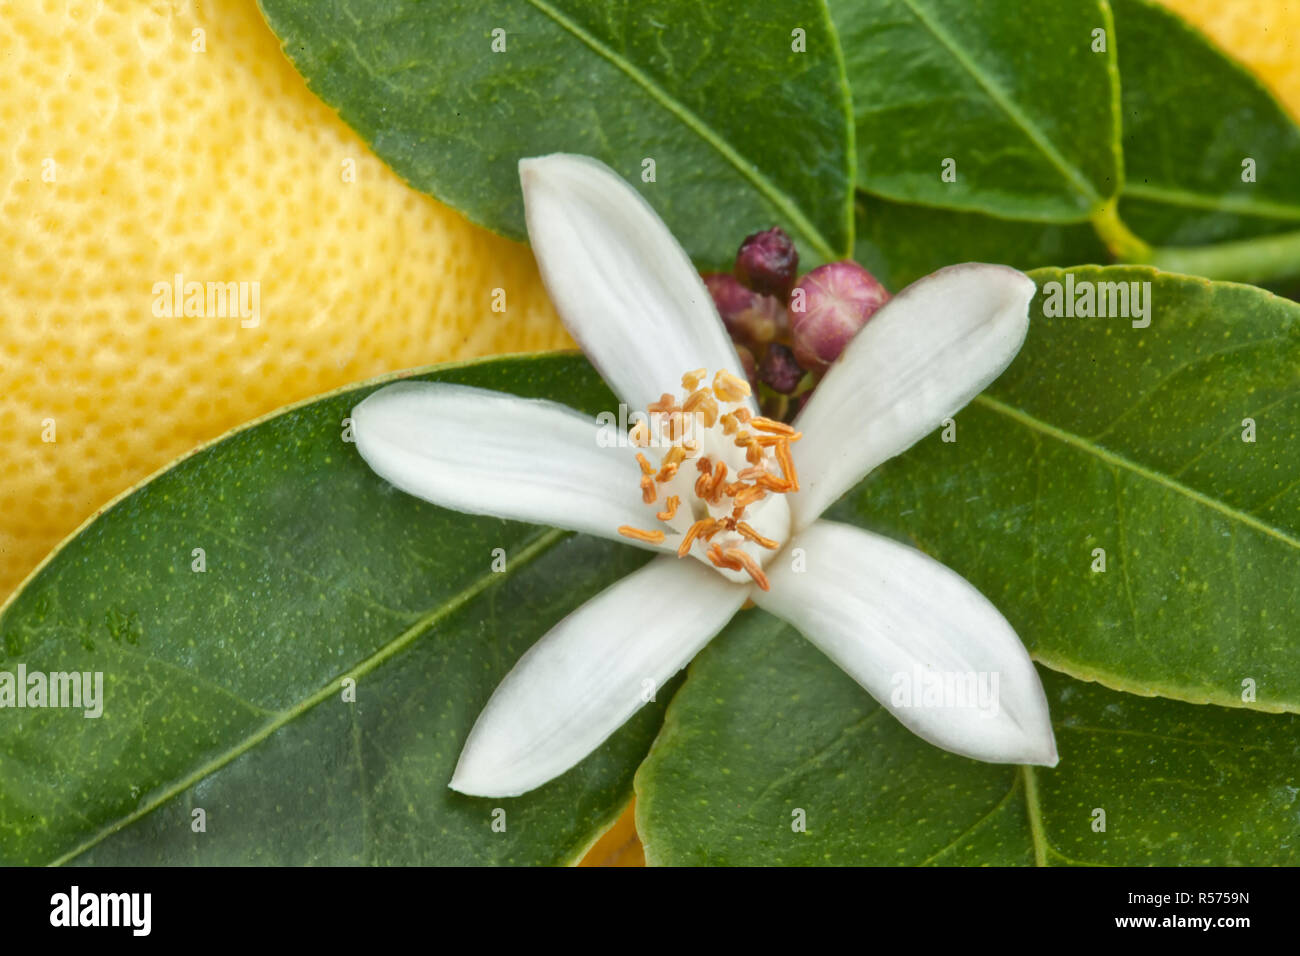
x,y
748,170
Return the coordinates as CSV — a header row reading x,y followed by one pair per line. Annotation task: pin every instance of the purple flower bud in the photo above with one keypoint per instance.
x,y
779,371
749,317
768,262
728,294
828,307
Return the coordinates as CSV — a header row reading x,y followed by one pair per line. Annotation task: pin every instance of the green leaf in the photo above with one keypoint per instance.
x,y
1191,117
899,243
744,131
223,688
1130,440
1013,93
766,726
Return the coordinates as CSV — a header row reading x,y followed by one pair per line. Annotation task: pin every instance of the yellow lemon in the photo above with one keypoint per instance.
x,y
1262,34
157,149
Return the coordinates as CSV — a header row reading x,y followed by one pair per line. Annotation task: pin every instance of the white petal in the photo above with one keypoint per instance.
x,y
896,621
590,673
623,286
490,453
920,359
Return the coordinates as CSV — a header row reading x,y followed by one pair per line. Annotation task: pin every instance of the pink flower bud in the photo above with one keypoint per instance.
x,y
749,317
768,262
828,307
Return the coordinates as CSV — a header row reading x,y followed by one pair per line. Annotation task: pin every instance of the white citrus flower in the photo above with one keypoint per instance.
x,y
723,491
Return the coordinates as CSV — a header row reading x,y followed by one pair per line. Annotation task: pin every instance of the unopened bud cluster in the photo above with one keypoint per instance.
x,y
788,332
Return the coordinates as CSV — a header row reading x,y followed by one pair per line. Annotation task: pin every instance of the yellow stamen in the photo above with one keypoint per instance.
x,y
729,388
670,509
709,411
691,380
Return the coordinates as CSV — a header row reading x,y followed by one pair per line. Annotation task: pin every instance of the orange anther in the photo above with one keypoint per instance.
x,y
771,425
755,537
670,509
715,486
665,405
787,466
720,560
773,483
747,497
692,401
650,537
703,526
750,565
691,380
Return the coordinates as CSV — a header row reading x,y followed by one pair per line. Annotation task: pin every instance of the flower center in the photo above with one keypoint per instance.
x,y
717,489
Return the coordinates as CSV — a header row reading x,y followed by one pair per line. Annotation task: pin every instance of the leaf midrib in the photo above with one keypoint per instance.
x,y
530,552
1186,198
764,186
1119,461
1072,174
